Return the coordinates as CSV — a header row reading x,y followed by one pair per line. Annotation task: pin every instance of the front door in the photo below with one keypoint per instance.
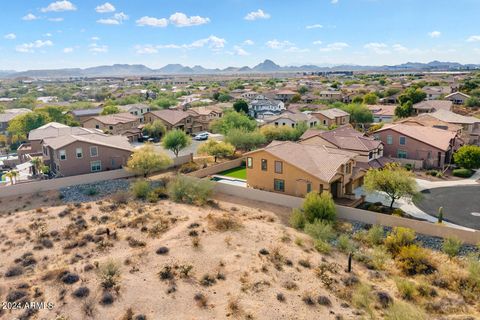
x,y
334,189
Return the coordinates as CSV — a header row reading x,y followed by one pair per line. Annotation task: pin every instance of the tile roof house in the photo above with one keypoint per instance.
x,y
457,97
177,119
261,107
435,92
296,169
116,124
429,106
136,109
434,147
382,113
331,95
470,125
291,120
332,116
8,115
33,147
81,115
367,149
285,95
71,154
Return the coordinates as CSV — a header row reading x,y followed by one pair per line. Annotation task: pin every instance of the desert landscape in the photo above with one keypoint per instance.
x,y
125,258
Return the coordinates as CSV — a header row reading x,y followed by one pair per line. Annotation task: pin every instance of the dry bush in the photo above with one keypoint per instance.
x,y
223,223
109,274
414,260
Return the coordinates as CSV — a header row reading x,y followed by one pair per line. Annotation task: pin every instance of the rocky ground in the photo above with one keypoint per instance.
x,y
106,259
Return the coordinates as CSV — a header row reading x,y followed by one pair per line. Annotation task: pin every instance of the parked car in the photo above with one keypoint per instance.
x,y
201,136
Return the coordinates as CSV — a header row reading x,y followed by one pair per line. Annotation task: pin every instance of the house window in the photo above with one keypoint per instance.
x,y
96,166
62,155
402,154
110,127
276,124
370,155
321,188
97,126
279,185
348,168
309,187
278,167
113,162
249,163
403,140
389,139
264,164
93,151
79,153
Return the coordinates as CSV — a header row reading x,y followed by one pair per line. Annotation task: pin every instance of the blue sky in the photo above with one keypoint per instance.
x,y
41,34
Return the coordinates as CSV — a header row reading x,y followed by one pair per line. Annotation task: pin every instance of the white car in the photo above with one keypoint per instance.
x,y
201,136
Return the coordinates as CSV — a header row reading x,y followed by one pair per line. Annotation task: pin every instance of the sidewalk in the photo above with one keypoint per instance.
x,y
425,184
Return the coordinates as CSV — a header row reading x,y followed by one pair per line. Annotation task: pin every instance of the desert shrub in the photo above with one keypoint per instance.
x,y
378,258
414,260
404,311
345,244
406,288
319,207
375,235
190,190
322,246
189,167
473,268
91,191
363,298
408,166
320,230
451,246
297,219
140,189
120,197
462,173
109,274
434,173
399,238
223,223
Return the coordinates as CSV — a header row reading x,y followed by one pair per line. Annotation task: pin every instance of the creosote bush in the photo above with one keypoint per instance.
x,y
320,230
398,238
141,189
451,246
190,190
414,260
109,274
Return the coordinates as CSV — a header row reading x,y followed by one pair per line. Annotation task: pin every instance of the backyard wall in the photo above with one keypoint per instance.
x,y
353,214
56,184
416,164
216,168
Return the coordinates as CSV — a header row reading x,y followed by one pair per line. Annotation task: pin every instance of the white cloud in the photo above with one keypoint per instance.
x,y
275,44
68,50
146,49
335,46
239,51
10,36
55,19
248,42
475,38
334,1
294,49
399,48
317,43
95,48
117,19
94,38
434,34
29,17
48,34
180,19
58,6
152,22
378,48
259,14
213,42
30,47
104,8
314,26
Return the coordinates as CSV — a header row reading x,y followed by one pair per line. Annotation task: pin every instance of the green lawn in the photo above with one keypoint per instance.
x,y
238,172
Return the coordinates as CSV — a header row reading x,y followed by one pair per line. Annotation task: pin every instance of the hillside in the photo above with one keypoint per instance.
x,y
109,260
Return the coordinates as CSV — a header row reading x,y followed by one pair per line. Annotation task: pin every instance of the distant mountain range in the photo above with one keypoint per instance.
x,y
267,66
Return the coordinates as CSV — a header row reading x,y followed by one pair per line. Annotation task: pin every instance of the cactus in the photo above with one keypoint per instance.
x,y
440,215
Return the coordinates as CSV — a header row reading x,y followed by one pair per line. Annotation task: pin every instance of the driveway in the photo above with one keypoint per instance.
x,y
461,204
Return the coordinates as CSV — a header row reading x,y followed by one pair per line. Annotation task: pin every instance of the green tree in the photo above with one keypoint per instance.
x,y
110,110
217,149
359,113
413,95
156,129
176,140
22,124
393,180
303,89
37,163
318,207
468,157
232,120
405,110
241,106
370,98
245,140
145,161
473,102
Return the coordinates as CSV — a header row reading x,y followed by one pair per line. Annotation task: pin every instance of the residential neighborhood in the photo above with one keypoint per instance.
x,y
240,160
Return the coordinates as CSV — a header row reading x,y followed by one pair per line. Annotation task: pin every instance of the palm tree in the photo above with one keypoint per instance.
x,y
37,162
9,175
